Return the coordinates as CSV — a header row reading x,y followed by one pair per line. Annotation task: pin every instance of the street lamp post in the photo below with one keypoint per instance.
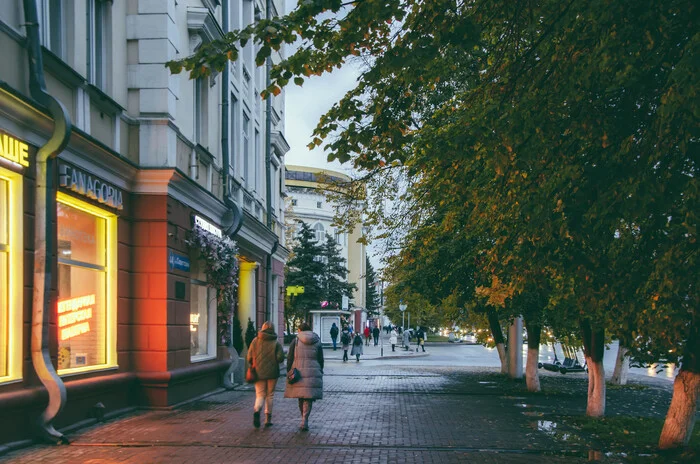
x,y
402,308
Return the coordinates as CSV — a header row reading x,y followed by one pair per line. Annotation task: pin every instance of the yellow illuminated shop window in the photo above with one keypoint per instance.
x,y
10,276
86,308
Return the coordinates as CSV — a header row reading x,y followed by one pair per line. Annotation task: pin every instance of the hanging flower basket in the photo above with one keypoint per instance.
x,y
220,258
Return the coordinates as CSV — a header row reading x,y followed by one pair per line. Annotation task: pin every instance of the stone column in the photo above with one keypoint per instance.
x,y
247,295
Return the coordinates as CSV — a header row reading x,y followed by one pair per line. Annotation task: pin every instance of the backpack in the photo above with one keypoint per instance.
x,y
345,338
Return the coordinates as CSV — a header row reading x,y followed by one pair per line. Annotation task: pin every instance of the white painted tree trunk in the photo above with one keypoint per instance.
x,y
596,388
503,356
680,418
532,376
622,367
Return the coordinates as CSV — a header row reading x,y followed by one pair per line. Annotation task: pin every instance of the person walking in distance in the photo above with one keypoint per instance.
x,y
265,353
345,340
420,335
406,339
393,339
367,333
305,355
357,349
375,335
334,335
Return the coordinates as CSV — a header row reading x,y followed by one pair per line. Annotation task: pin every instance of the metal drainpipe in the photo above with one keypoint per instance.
x,y
236,213
268,171
44,237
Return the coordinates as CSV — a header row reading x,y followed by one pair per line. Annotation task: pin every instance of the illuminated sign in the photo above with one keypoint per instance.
x,y
81,182
208,226
73,315
14,150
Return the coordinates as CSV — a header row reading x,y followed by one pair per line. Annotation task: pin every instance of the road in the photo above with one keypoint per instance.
x,y
463,355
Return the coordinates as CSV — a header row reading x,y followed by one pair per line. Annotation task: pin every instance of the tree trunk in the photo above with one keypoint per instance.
x,y
532,376
680,418
497,334
503,356
622,366
594,349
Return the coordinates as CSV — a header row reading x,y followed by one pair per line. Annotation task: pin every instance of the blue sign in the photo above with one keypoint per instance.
x,y
178,261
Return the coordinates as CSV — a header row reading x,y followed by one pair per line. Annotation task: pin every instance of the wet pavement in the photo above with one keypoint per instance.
x,y
402,410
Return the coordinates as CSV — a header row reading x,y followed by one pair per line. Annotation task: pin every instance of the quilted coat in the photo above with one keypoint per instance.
x,y
306,354
266,354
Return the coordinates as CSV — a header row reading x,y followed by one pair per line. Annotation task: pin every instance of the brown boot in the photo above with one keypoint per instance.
x,y
268,420
256,419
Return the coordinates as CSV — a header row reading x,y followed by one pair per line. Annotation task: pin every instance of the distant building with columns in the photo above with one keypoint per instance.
x,y
309,205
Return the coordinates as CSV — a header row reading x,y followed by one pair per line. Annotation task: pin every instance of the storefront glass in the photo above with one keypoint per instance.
x,y
11,275
85,296
202,313
4,248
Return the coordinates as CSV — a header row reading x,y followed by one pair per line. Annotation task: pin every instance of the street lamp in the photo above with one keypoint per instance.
x,y
402,308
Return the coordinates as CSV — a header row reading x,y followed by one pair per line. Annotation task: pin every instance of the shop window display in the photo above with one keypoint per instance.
x,y
84,268
4,276
202,311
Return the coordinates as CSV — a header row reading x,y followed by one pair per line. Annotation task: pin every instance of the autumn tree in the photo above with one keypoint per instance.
x,y
564,132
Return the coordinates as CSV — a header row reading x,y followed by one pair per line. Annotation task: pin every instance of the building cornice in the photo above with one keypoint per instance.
x,y
201,21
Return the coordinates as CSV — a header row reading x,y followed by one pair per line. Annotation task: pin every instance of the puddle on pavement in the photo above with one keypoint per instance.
x,y
547,427
550,428
483,382
533,413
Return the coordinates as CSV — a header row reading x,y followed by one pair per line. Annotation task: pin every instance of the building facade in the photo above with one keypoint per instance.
x,y
309,205
148,157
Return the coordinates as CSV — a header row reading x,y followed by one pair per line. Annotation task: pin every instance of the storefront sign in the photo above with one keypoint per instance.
x,y
208,226
85,184
178,261
73,315
14,150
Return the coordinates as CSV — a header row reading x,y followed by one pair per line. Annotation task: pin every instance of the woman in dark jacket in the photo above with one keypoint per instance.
x,y
306,355
357,349
265,353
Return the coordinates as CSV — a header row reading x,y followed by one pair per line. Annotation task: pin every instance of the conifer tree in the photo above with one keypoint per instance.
x,y
304,269
372,302
334,277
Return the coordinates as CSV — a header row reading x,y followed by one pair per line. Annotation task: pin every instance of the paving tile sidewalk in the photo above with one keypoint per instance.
x,y
369,414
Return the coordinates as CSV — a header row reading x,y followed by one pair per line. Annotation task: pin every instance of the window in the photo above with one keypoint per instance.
x,y
202,314
201,108
86,286
54,30
294,202
246,148
234,140
11,260
319,204
320,232
97,42
256,161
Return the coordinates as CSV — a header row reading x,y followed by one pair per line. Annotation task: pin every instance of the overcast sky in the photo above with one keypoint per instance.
x,y
304,106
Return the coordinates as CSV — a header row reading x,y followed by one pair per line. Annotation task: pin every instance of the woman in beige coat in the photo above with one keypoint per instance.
x,y
306,355
265,354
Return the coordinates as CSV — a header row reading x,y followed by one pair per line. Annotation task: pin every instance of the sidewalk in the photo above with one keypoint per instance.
x,y
369,414
381,351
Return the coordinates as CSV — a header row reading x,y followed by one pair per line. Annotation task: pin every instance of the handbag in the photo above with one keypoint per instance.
x,y
293,375
251,375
